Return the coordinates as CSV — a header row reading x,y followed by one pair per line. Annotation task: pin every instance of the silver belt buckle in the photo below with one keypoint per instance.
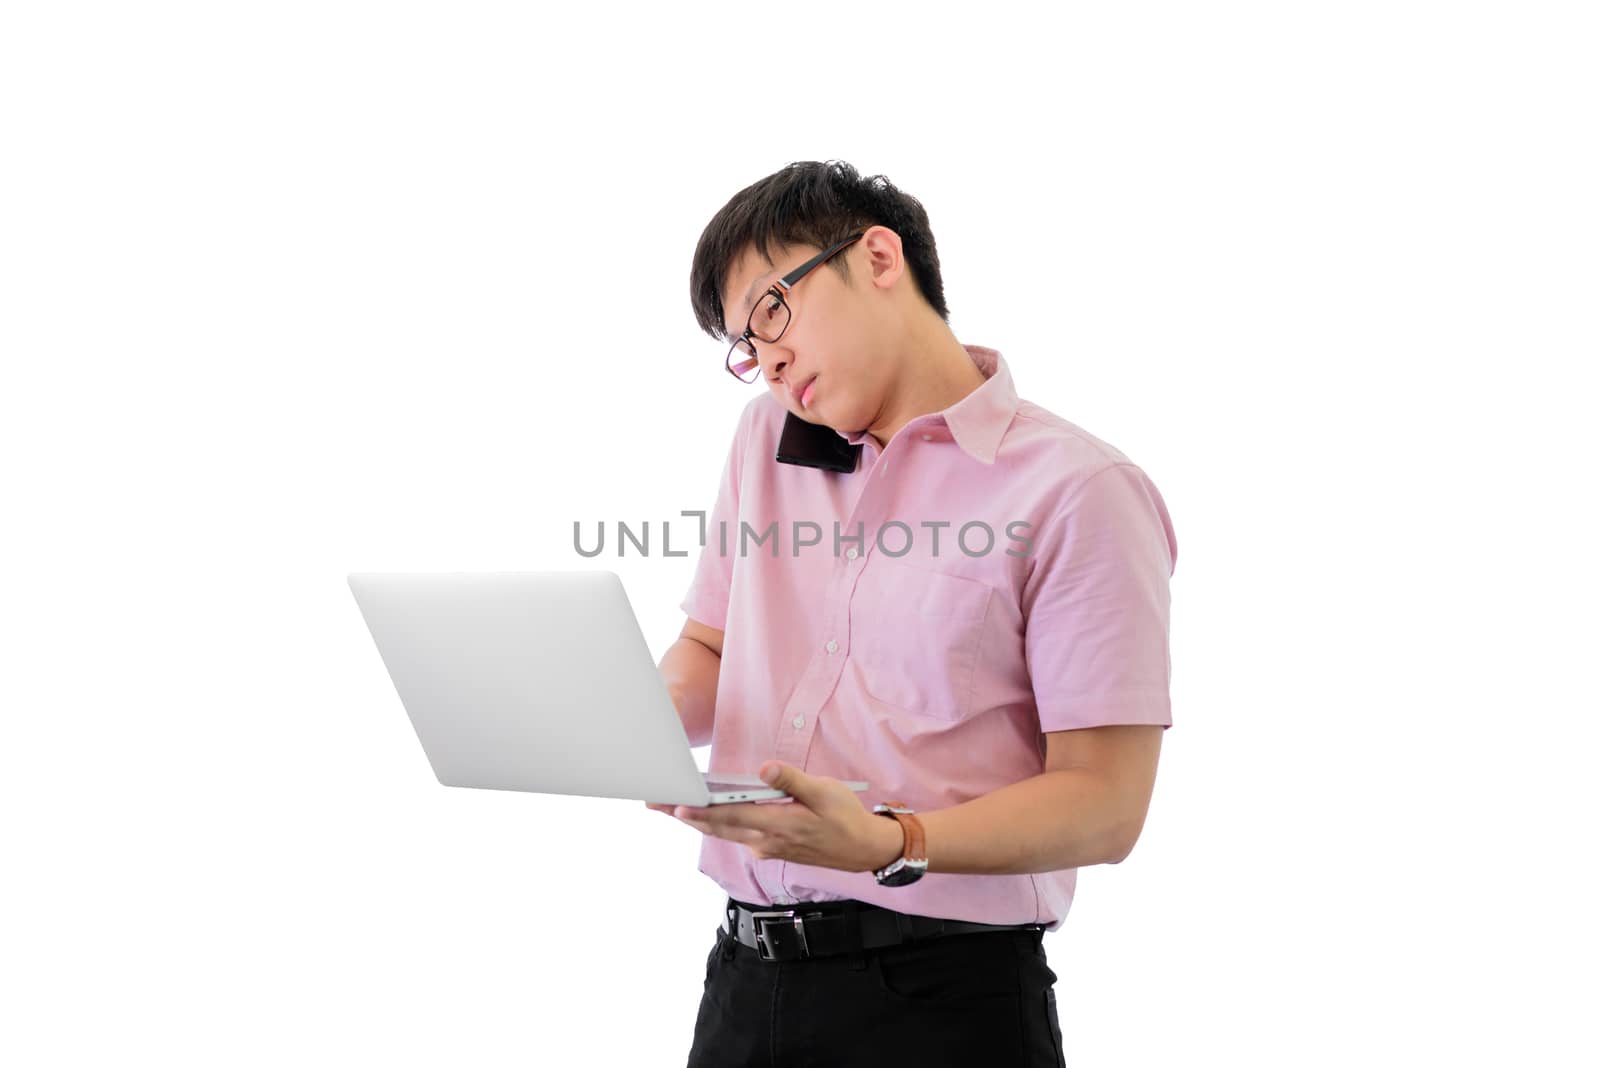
x,y
763,947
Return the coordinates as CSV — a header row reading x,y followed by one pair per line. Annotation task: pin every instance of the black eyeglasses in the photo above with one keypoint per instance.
x,y
770,316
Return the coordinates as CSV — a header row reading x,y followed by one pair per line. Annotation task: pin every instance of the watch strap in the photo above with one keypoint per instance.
x,y
915,836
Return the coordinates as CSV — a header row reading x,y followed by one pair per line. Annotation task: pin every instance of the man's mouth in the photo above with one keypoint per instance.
x,y
806,391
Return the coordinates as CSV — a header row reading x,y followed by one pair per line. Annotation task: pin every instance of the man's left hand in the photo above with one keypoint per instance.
x,y
824,824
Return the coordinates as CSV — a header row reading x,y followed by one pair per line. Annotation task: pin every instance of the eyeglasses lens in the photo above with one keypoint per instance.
x,y
742,361
769,317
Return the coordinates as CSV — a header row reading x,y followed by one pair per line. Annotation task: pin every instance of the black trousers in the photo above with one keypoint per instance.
x,y
963,1000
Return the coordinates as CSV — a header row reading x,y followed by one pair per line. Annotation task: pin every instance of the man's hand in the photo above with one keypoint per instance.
x,y
824,824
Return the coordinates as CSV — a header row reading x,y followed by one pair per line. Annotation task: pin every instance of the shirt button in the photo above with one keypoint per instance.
x,y
832,646
799,722
927,437
850,553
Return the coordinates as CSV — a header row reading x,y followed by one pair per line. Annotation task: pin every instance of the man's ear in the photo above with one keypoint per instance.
x,y
884,256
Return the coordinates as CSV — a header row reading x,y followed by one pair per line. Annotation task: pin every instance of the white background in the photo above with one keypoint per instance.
x,y
293,290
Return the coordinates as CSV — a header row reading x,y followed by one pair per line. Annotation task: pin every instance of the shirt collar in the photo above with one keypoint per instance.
x,y
977,421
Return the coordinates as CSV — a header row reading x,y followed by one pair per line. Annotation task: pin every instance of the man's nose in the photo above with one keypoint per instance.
x,y
777,360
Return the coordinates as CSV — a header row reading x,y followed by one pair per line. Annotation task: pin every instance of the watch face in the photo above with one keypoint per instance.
x,y
902,873
903,877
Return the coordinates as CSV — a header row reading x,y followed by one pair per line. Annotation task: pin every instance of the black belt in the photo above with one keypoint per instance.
x,y
821,929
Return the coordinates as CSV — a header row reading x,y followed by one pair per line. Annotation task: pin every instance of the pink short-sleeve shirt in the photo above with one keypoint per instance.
x,y
993,574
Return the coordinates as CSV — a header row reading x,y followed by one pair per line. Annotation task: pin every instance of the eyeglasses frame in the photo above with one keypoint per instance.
x,y
778,289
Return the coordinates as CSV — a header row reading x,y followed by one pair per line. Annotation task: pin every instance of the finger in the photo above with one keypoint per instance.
x,y
741,835
806,789
741,814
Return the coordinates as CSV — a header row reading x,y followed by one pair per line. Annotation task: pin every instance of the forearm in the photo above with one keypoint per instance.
x,y
690,671
1060,819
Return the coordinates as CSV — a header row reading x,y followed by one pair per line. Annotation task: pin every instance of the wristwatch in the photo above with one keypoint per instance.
x,y
908,867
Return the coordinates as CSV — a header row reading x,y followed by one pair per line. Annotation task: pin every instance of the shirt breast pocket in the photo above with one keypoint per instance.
x,y
915,637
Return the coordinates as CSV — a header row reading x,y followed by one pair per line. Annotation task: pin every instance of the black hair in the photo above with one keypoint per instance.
x,y
816,204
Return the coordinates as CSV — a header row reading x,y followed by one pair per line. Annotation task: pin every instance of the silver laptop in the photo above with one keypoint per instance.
x,y
538,681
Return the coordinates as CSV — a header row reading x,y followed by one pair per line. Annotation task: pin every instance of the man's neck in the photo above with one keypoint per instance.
x,y
938,372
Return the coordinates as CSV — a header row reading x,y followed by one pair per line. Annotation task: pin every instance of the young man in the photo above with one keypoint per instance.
x,y
943,590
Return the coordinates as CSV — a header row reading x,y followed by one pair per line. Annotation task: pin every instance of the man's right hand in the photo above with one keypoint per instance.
x,y
690,669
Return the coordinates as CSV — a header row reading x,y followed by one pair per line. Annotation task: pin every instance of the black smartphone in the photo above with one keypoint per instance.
x,y
813,445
